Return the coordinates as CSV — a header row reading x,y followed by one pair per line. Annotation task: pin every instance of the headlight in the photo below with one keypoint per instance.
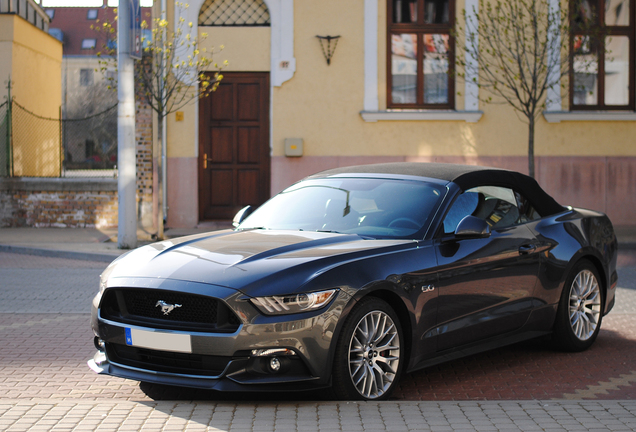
x,y
103,278
102,286
295,303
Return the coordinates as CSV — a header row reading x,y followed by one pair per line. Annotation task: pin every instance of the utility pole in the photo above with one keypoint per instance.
x,y
126,155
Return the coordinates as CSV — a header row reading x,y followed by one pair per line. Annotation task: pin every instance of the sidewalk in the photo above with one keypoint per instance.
x,y
509,416
90,244
94,244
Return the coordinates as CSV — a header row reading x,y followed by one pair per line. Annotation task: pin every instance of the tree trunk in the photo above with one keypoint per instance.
x,y
531,146
160,179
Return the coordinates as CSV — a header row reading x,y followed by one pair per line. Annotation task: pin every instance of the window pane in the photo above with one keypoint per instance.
x,y
585,12
372,207
404,11
436,68
404,68
86,77
617,70
585,72
88,43
497,206
436,11
617,12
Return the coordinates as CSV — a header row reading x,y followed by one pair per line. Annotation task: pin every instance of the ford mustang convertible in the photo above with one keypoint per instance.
x,y
354,276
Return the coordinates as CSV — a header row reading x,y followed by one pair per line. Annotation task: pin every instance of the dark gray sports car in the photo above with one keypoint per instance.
x,y
353,276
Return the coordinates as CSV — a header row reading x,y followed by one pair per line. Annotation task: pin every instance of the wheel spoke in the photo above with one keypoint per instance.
x,y
386,368
382,330
373,328
360,374
387,344
370,382
574,316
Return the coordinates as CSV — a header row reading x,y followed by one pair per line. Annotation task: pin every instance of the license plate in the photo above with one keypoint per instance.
x,y
158,340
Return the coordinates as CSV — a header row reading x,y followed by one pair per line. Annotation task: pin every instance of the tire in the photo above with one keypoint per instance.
x,y
580,310
361,371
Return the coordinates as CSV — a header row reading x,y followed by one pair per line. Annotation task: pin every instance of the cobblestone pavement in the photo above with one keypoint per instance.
x,y
311,416
45,340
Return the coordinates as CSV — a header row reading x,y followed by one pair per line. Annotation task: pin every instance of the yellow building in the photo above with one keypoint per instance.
x,y
283,111
32,60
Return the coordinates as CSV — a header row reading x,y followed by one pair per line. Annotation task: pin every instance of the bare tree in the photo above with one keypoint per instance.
x,y
518,51
90,126
170,74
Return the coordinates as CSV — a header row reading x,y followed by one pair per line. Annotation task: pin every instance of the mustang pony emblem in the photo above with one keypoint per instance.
x,y
166,308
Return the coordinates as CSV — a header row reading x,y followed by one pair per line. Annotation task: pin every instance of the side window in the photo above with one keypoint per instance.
x,y
464,205
527,213
499,207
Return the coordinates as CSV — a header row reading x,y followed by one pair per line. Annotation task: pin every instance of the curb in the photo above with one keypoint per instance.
x,y
52,253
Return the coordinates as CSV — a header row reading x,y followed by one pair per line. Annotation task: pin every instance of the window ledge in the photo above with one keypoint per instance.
x,y
559,116
468,116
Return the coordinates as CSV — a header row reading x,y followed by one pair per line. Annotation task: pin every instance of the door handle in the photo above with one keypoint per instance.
x,y
526,249
205,161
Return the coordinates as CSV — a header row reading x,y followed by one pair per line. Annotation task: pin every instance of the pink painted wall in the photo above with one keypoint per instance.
x,y
607,184
183,193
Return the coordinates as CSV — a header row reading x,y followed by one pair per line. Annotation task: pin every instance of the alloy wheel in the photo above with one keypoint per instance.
x,y
374,354
585,305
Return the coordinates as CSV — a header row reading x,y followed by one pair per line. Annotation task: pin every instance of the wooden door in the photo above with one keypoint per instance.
x,y
234,154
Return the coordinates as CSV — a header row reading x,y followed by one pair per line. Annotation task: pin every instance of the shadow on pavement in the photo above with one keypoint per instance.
x,y
524,371
159,392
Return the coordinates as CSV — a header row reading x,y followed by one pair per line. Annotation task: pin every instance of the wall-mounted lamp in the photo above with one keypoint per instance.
x,y
326,40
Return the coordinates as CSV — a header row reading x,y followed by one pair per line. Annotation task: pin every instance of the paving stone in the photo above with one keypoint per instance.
x,y
45,382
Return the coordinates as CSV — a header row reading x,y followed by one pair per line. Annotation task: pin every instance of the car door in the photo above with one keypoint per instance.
x,y
485,284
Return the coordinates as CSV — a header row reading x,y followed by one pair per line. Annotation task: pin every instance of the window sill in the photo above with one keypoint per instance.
x,y
467,116
559,116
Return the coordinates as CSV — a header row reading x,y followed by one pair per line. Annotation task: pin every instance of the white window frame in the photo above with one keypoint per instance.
x,y
371,111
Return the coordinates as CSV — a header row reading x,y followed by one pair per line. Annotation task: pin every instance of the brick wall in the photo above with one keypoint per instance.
x,y
58,202
143,139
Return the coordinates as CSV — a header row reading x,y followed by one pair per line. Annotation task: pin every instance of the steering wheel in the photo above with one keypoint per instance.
x,y
400,220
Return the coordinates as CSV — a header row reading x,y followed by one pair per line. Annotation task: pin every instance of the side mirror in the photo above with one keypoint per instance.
x,y
472,226
241,215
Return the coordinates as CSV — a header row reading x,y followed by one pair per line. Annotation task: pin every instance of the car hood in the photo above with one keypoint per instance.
x,y
249,260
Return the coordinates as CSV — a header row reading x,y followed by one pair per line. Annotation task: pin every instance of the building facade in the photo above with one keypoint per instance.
x,y
30,63
283,111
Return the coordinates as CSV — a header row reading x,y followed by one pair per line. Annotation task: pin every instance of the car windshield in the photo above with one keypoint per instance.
x,y
377,208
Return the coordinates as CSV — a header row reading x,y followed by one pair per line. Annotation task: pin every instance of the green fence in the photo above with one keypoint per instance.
x,y
35,146
5,141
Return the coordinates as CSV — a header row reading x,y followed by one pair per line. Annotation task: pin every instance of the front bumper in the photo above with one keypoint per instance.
x,y
234,362
236,378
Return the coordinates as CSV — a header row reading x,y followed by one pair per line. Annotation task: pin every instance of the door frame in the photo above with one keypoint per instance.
x,y
266,109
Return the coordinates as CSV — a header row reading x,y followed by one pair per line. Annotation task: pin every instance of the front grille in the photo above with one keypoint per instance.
x,y
143,307
164,361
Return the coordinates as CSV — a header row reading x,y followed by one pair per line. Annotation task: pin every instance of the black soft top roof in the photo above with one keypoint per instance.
x,y
464,176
